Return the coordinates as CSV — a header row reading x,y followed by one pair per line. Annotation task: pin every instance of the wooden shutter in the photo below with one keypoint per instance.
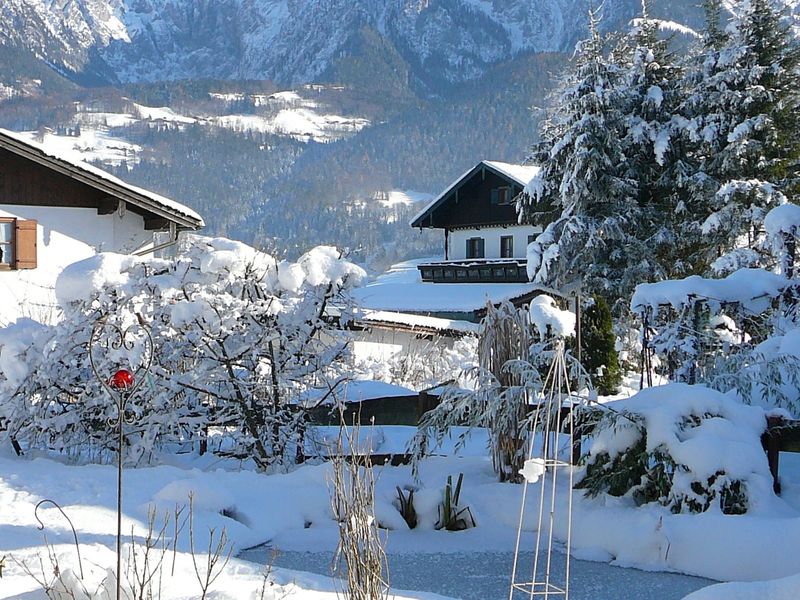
x,y
481,250
25,244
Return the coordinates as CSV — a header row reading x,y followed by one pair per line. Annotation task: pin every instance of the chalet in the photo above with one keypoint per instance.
x,y
55,211
485,250
483,240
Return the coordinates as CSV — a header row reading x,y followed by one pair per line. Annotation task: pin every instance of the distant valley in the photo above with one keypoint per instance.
x,y
288,124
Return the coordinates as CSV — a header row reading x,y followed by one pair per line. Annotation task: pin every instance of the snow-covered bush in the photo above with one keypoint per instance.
x,y
766,375
691,323
688,448
237,336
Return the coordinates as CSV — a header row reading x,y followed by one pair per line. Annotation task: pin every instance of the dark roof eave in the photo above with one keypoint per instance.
x,y
184,222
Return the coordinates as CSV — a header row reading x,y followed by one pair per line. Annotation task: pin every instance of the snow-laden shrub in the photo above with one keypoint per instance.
x,y
766,375
237,335
689,448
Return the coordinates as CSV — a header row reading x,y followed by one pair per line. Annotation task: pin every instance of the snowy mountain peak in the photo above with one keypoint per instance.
x,y
286,40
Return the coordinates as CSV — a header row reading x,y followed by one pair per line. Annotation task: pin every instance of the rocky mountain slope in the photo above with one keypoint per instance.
x,y
285,122
293,41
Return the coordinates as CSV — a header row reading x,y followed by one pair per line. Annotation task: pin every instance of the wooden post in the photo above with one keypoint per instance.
x,y
578,326
771,441
204,440
425,403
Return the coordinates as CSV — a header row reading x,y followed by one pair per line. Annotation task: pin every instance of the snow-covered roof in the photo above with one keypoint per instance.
x,y
402,290
748,287
154,203
521,174
419,322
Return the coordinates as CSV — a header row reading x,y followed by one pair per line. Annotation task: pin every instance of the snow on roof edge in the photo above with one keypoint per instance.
x,y
98,173
519,173
436,199
414,320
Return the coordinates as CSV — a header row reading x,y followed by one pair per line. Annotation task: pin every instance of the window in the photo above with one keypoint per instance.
x,y
17,244
7,243
506,246
475,248
501,195
531,238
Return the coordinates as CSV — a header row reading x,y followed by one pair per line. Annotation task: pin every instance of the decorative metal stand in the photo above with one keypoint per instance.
x,y
63,514
119,343
548,461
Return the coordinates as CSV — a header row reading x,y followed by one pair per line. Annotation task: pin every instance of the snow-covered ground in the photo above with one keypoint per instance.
x,y
90,145
291,512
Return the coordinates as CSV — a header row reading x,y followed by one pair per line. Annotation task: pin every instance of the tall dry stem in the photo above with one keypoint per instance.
x,y
360,558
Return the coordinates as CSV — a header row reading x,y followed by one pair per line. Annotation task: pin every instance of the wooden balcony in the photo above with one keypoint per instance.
x,y
492,270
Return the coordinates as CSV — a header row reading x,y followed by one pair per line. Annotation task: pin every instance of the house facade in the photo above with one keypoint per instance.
x,y
483,240
55,211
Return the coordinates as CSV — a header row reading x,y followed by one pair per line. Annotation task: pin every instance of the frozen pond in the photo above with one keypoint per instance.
x,y
487,575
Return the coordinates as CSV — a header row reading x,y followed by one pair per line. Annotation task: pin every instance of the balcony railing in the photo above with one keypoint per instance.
x,y
492,270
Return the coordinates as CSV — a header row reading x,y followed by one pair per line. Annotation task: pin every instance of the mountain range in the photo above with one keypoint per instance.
x,y
294,41
282,121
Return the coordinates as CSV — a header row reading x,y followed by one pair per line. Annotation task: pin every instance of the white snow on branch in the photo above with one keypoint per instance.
x,y
782,219
672,26
752,288
546,315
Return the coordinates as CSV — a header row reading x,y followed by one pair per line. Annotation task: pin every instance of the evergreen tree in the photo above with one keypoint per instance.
x,y
583,183
651,93
598,347
741,120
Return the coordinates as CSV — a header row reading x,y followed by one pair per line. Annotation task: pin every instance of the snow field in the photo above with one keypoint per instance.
x,y
292,512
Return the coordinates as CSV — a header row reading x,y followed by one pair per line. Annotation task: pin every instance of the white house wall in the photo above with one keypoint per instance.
x,y
457,241
383,344
64,235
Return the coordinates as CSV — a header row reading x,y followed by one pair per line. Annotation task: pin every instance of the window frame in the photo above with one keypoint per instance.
x,y
5,264
501,195
510,240
475,248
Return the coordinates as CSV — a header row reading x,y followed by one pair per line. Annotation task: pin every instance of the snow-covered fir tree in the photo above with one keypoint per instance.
x,y
651,92
583,183
741,124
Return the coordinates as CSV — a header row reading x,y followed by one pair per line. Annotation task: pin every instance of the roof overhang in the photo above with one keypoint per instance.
x,y
158,206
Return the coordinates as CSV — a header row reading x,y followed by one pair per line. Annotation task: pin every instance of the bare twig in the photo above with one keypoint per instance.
x,y
216,553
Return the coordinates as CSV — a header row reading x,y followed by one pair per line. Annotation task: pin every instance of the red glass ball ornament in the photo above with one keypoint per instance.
x,y
121,380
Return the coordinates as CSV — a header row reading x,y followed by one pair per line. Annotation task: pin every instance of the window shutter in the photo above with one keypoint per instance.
x,y
495,196
480,248
25,242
